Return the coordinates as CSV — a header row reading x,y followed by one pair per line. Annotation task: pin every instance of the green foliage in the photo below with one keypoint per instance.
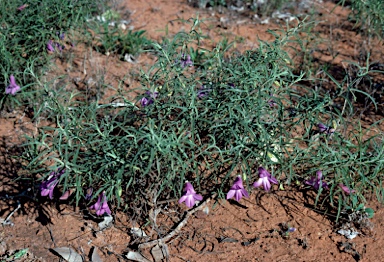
x,y
369,14
205,123
115,40
24,34
227,115
268,7
19,254
263,8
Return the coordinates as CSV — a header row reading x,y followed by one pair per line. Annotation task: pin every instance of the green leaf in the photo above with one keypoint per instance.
x,y
370,212
19,254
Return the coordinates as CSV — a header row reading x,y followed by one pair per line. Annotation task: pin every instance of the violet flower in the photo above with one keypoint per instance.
x,y
149,98
21,8
325,129
272,103
60,35
346,189
237,190
59,46
50,46
202,92
291,229
101,206
316,181
47,187
88,196
66,194
190,195
186,61
265,179
12,88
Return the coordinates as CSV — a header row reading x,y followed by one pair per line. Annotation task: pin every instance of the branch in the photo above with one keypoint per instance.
x,y
181,224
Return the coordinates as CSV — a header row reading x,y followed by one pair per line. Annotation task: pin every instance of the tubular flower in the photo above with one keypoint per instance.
x,y
66,194
316,181
149,98
346,189
88,195
12,88
101,206
48,186
325,129
21,8
50,46
237,190
265,179
186,61
203,92
190,196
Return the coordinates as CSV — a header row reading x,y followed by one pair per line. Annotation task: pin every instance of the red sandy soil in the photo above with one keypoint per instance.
x,y
247,231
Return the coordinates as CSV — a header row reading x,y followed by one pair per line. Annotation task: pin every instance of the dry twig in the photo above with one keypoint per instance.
x,y
181,224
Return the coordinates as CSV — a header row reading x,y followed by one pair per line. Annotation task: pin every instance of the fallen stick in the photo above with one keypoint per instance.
x,y
7,221
181,224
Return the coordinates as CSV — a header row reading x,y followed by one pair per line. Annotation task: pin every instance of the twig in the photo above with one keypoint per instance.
x,y
51,234
182,223
7,220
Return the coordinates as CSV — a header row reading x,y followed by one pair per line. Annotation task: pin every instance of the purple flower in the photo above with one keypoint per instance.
x,y
202,92
48,186
21,8
101,206
59,46
265,179
89,193
12,88
316,181
190,196
325,129
61,35
272,103
237,190
149,98
50,46
186,61
66,194
346,189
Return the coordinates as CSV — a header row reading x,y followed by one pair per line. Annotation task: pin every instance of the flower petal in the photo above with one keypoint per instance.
x,y
65,195
258,182
182,199
346,189
12,80
190,201
198,197
263,172
189,188
44,192
319,174
273,180
266,184
238,195
231,193
105,207
51,193
322,128
244,192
